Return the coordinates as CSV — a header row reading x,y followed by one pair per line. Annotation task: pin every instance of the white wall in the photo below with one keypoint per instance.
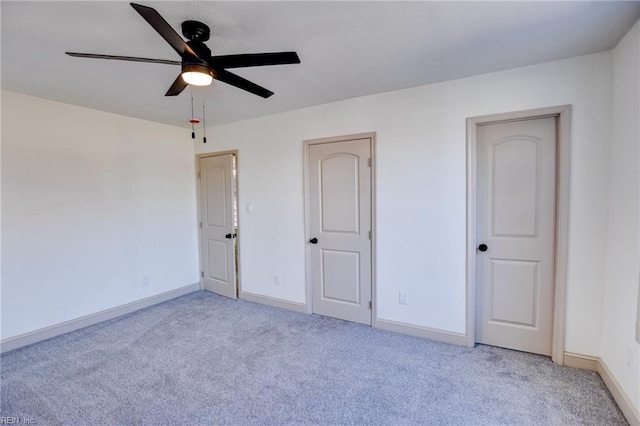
x,y
421,184
619,348
91,203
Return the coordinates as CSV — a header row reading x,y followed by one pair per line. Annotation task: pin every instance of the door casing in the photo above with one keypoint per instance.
x,y
563,162
199,218
307,215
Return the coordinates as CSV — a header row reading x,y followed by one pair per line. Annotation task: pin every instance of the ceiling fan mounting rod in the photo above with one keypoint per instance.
x,y
196,31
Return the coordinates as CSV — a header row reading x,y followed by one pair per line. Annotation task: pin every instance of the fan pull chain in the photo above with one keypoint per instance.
x,y
204,123
193,130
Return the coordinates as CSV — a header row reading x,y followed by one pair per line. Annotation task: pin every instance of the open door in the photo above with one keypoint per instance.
x,y
218,231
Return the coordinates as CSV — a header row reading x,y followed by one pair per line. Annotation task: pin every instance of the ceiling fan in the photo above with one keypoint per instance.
x,y
199,68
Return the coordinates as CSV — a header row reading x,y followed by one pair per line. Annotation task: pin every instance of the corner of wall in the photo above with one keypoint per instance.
x,y
620,358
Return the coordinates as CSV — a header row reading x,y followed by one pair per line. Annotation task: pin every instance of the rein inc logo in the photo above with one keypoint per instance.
x,y
16,421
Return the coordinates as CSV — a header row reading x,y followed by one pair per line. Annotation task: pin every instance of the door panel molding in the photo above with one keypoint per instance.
x,y
307,214
563,115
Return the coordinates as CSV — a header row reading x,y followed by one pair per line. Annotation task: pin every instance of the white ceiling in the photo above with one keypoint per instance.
x,y
347,49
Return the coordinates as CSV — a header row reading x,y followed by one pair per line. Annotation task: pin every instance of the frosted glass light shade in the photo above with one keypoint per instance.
x,y
197,78
197,75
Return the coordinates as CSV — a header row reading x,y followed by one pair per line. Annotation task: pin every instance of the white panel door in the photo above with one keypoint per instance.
x,y
340,203
217,233
516,234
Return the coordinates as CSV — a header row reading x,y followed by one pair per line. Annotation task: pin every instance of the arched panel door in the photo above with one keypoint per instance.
x,y
340,203
516,234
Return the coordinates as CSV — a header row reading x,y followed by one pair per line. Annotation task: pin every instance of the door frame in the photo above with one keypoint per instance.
x,y
199,217
563,163
307,214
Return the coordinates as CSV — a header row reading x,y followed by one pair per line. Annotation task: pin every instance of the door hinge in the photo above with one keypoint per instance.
x,y
201,274
369,234
370,305
198,175
200,225
369,162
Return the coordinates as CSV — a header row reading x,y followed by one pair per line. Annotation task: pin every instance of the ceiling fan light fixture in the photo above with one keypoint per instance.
x,y
199,68
197,75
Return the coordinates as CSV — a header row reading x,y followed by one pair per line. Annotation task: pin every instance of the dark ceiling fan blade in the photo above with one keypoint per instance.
x,y
254,59
123,58
177,87
242,83
164,29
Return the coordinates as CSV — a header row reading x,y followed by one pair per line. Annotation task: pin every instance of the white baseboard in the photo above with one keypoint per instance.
x,y
619,395
424,332
273,301
25,339
583,362
592,363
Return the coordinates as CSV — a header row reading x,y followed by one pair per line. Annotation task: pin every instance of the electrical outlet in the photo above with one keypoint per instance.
x,y
145,281
277,280
403,298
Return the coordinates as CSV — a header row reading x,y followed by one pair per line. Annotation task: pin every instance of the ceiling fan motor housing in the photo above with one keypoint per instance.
x,y
200,49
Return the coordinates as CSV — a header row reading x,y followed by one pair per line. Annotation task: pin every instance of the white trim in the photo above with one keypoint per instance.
x,y
274,301
593,363
307,228
638,317
563,113
618,393
424,332
307,216
471,232
374,235
563,170
198,221
583,362
25,339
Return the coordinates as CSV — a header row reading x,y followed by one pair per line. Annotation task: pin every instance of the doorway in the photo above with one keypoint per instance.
x,y
517,204
339,212
217,178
